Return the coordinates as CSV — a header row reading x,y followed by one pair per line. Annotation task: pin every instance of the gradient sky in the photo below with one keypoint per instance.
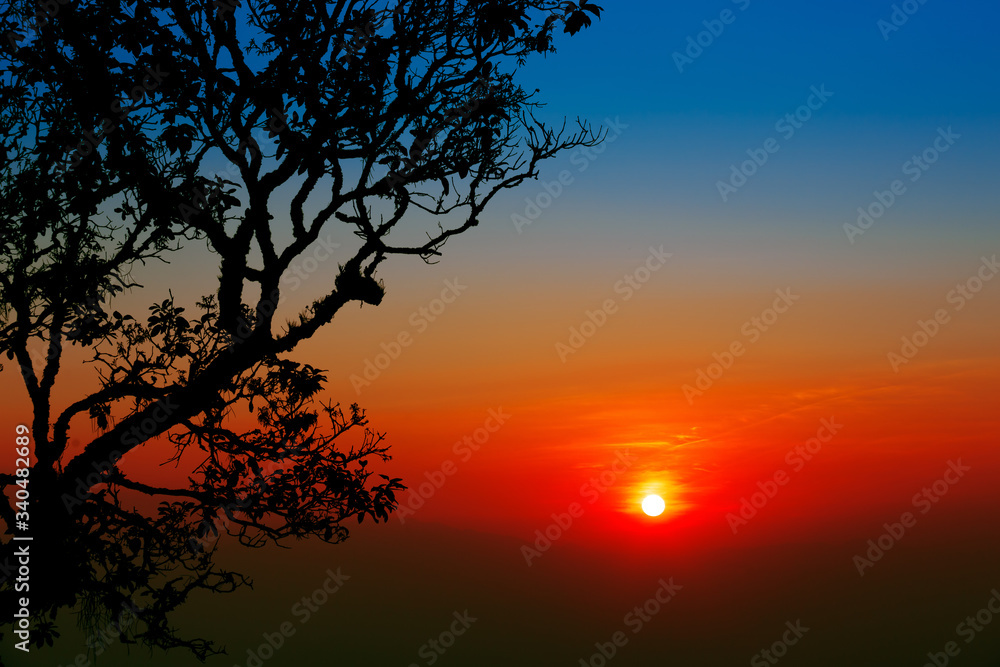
x,y
655,184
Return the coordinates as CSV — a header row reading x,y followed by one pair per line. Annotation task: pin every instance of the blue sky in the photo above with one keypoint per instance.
x,y
659,179
939,62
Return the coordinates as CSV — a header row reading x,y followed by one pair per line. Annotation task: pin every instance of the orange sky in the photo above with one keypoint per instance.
x,y
494,348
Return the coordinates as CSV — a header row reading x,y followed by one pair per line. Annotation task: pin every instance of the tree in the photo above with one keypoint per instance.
x,y
113,116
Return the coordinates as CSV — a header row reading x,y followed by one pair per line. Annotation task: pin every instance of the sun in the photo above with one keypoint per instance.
x,y
653,505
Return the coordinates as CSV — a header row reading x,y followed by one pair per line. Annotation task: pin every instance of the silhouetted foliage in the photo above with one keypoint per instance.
x,y
115,120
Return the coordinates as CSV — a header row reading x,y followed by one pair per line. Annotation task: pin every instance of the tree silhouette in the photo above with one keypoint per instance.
x,y
131,130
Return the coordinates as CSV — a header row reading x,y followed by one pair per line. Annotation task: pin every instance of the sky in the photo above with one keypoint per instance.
x,y
769,297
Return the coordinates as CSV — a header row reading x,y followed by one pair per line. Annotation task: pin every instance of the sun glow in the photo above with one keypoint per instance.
x,y
653,505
